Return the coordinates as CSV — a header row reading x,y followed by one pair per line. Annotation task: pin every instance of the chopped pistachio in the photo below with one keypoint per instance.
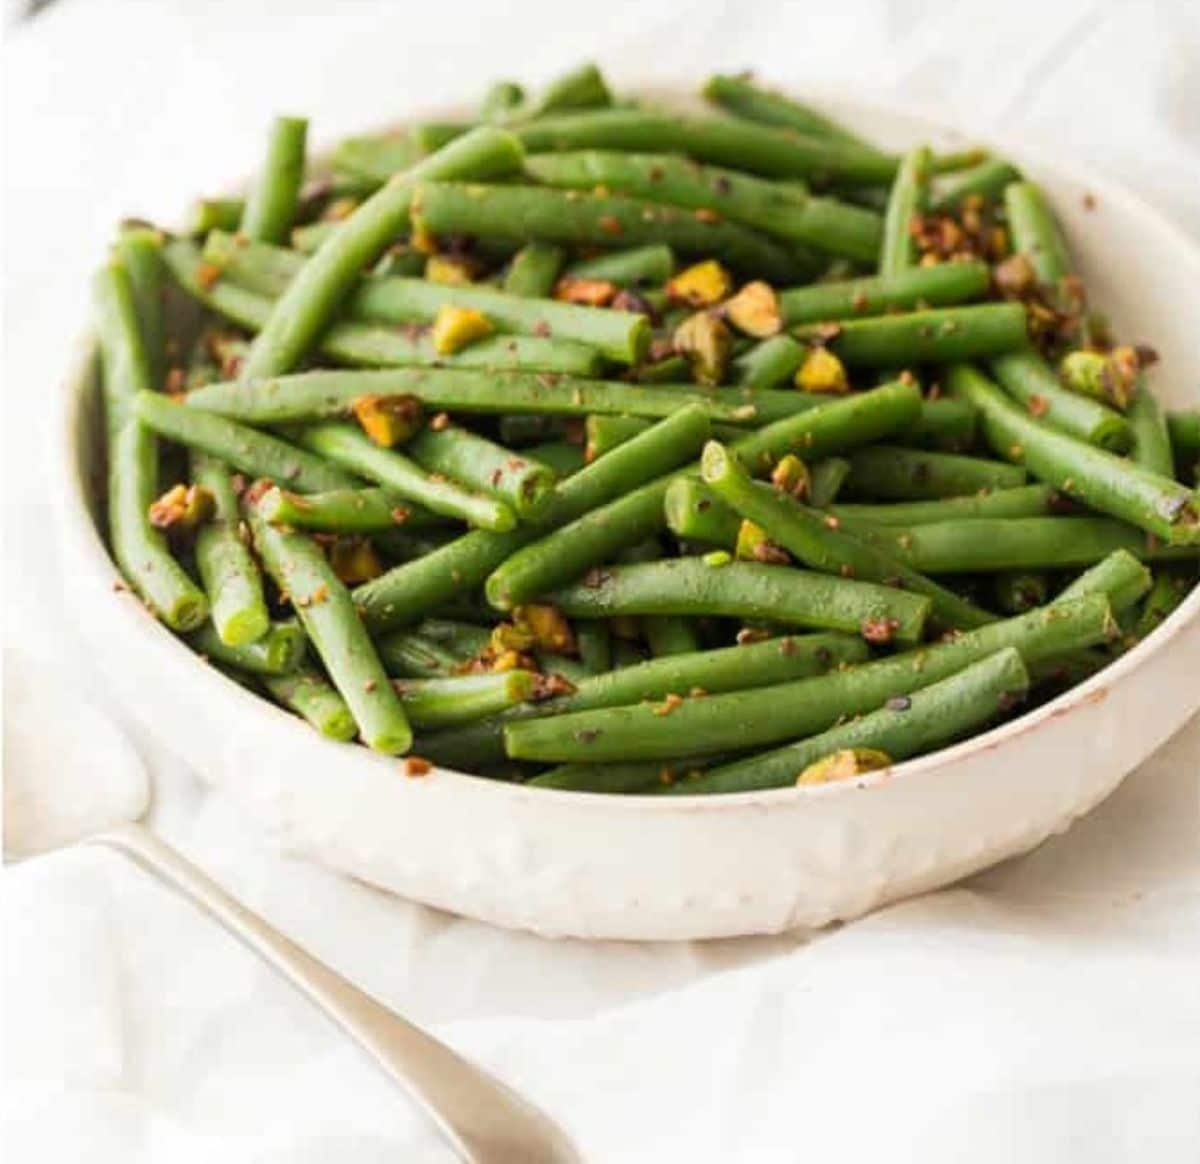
x,y
182,507
354,560
750,537
456,327
586,292
548,626
449,270
822,371
844,764
717,558
792,476
754,310
509,636
388,420
705,342
701,285
1111,378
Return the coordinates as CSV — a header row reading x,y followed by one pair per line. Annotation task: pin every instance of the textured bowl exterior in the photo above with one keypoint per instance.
x,y
680,867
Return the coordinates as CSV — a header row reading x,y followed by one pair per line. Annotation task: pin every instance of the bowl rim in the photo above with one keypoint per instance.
x,y
74,520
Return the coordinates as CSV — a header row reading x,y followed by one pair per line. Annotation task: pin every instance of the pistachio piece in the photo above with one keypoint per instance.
x,y
791,475
586,292
548,626
843,765
701,285
754,310
456,327
182,507
388,420
449,270
822,371
705,342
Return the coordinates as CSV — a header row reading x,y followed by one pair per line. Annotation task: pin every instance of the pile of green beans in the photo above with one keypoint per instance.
x,y
586,444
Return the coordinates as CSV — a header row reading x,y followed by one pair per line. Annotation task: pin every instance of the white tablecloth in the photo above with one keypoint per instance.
x,y
1045,1011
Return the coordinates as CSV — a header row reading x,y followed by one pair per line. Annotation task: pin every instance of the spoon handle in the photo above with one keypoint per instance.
x,y
486,1121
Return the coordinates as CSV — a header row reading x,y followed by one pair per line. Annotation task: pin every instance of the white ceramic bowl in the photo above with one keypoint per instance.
x,y
684,867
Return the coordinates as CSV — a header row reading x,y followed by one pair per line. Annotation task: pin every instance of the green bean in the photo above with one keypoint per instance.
x,y
227,568
945,285
346,511
139,250
610,778
563,457
278,651
774,153
215,214
761,664
140,551
251,452
911,725
501,101
449,702
534,271
695,513
645,266
945,425
908,199
1016,591
1151,440
375,159
826,478
620,335
899,474
1029,543
409,591
667,635
673,369
271,205
1165,595
988,180
476,463
350,342
807,536
309,695
742,97
314,395
568,551
604,433
1119,576
783,212
350,448
595,647
833,427
575,218
431,136
327,612
1027,501
802,707
306,307
581,88
935,336
1184,430
412,655
768,364
1097,478
1035,232
1029,380
689,586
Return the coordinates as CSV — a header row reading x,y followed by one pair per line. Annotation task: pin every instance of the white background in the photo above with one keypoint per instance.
x,y
1047,1011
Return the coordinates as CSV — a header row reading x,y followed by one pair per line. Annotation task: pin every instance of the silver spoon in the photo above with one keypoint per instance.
x,y
486,1121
